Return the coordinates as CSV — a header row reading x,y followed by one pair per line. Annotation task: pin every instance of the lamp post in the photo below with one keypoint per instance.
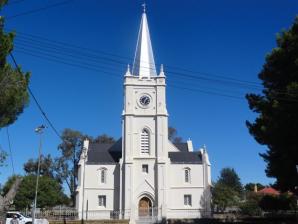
x,y
84,156
38,130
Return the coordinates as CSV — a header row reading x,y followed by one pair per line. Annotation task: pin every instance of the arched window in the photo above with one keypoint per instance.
x,y
187,175
145,144
103,175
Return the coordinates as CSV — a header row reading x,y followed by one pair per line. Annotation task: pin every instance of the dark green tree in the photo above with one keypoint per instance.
x,y
13,85
67,164
50,193
277,107
230,178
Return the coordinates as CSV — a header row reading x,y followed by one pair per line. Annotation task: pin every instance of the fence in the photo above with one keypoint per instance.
x,y
54,214
141,214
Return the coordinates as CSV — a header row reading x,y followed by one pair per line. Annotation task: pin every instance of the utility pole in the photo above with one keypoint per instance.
x,y
38,130
84,157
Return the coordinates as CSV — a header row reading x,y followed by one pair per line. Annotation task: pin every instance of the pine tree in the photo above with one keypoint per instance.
x,y
13,85
277,107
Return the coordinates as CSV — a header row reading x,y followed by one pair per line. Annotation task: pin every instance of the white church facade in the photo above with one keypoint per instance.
x,y
143,174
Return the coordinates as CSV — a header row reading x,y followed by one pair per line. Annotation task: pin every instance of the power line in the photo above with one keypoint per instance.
x,y
206,92
115,75
88,66
43,47
76,55
39,9
35,100
10,151
46,41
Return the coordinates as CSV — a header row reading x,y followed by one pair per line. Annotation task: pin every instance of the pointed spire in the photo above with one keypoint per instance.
x,y
128,71
144,65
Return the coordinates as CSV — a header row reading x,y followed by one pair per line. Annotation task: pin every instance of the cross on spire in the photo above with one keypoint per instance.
x,y
144,7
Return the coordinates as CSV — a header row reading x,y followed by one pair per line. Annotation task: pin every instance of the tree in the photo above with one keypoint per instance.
x,y
230,178
104,138
250,206
7,198
251,186
67,164
47,166
224,196
277,107
9,183
14,96
49,194
172,133
3,156
227,190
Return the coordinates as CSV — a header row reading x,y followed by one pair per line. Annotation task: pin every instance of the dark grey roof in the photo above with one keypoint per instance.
x,y
185,157
181,146
104,153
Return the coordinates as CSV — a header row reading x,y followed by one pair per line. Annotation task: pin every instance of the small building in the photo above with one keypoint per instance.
x,y
143,175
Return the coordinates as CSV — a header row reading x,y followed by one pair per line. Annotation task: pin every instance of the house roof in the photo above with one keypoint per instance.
x,y
268,190
110,153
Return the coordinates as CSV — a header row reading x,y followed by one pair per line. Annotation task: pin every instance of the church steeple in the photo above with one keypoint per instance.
x,y
144,65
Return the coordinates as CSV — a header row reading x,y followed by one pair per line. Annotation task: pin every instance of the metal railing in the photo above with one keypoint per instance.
x,y
152,213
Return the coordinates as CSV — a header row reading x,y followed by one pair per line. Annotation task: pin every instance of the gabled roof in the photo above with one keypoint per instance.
x,y
103,153
182,146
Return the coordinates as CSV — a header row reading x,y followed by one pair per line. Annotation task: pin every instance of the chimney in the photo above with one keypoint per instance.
x,y
189,145
255,188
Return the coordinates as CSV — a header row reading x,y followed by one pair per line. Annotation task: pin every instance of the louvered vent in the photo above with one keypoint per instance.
x,y
145,141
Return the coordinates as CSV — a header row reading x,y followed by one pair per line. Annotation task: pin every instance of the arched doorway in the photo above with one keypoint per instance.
x,y
145,207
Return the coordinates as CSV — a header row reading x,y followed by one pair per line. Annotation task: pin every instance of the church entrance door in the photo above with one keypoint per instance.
x,y
145,207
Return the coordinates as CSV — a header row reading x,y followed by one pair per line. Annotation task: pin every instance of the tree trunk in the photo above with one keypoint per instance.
x,y
7,200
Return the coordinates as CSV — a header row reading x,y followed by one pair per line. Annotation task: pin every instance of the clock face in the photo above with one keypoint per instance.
x,y
144,100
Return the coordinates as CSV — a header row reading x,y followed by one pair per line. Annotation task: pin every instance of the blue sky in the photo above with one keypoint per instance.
x,y
215,41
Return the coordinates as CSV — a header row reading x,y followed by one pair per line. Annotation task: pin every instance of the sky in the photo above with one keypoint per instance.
x,y
77,52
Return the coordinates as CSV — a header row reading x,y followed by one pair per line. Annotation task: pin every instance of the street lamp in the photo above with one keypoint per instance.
x,y
38,130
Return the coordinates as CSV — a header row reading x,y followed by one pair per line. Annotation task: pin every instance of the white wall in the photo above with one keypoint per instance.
x,y
178,188
94,188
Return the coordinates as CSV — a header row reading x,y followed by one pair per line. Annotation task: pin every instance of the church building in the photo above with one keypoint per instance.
x,y
143,175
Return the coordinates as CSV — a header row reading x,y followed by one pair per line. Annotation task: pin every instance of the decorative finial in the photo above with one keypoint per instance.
x,y
128,71
161,73
144,7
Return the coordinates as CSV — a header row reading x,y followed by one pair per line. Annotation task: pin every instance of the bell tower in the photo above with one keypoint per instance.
x,y
144,133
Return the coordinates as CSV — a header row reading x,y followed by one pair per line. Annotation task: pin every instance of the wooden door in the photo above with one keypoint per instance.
x,y
144,207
